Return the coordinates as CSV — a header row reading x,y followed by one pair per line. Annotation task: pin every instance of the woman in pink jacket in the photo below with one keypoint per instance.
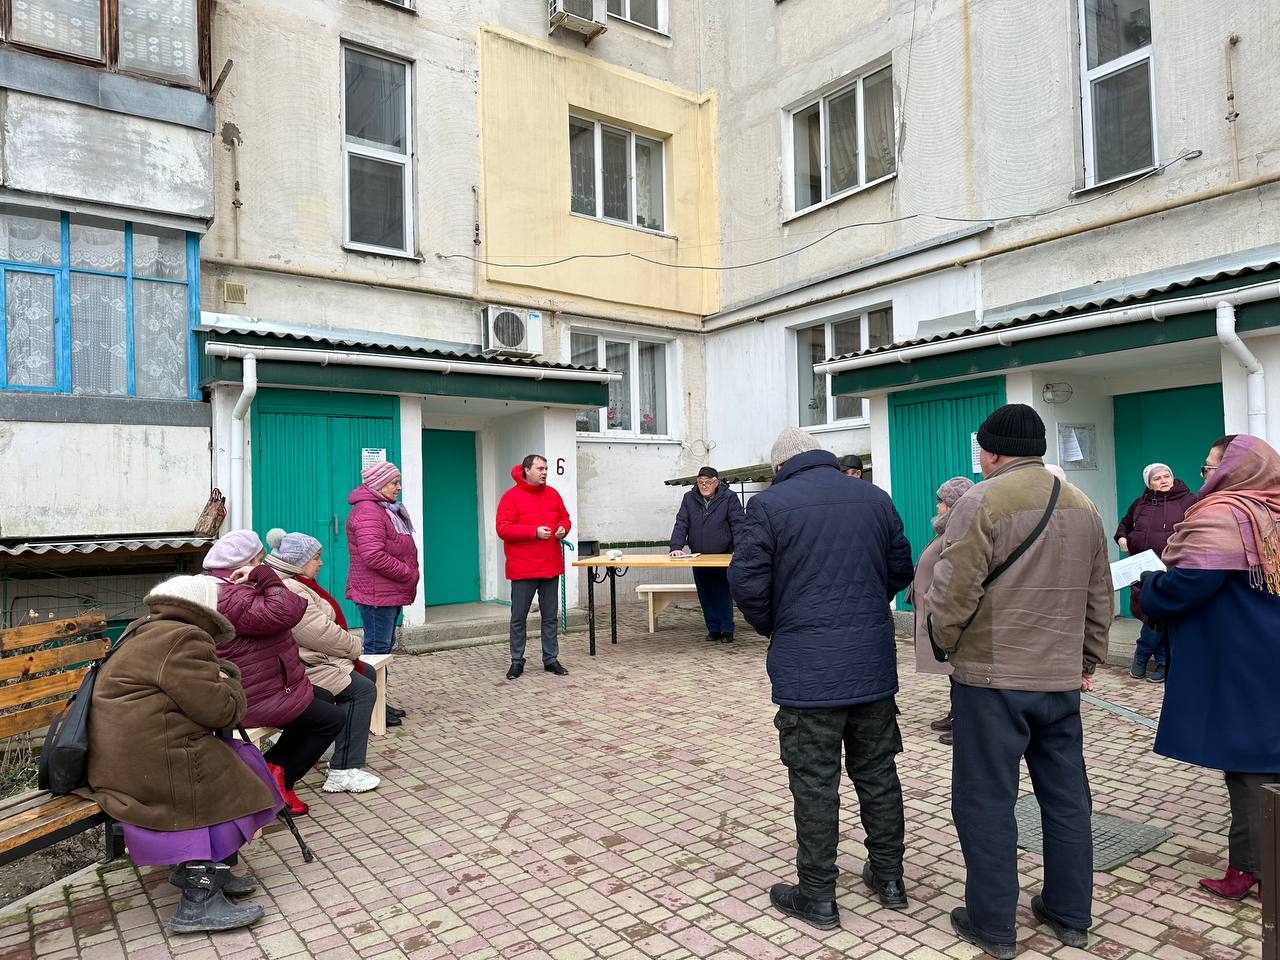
x,y
383,575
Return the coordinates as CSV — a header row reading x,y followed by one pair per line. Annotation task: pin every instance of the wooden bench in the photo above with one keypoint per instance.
x,y
36,679
375,662
662,595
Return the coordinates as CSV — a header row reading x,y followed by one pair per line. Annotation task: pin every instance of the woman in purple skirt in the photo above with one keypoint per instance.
x,y
182,793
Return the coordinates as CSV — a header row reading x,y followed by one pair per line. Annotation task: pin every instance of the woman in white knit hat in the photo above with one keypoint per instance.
x,y
330,653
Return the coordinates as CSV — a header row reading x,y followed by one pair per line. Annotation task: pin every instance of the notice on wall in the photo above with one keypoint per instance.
x,y
1077,446
973,452
370,455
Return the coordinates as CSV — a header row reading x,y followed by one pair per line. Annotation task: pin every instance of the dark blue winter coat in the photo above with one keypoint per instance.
x,y
708,526
1221,708
814,570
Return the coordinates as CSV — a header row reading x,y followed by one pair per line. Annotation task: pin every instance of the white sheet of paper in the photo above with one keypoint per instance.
x,y
1125,573
1071,451
686,556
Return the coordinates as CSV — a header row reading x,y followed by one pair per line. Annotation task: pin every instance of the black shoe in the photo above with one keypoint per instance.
x,y
554,667
1139,668
960,924
891,892
397,711
942,724
234,887
713,637
817,913
1070,936
726,638
1158,674
516,668
203,906
393,720
948,738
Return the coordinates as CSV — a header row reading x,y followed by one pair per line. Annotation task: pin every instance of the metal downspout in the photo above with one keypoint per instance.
x,y
1256,382
249,389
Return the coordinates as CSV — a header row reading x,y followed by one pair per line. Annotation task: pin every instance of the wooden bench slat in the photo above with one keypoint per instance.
x,y
33,718
50,806
41,688
30,664
32,635
11,806
53,816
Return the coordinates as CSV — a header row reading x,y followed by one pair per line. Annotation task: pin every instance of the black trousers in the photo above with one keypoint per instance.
x,y
304,739
1245,837
994,730
810,742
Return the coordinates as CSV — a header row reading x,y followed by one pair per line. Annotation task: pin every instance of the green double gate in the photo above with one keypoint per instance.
x,y
930,441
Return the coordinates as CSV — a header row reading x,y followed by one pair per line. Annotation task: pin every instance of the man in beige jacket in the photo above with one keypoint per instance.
x,y
1021,604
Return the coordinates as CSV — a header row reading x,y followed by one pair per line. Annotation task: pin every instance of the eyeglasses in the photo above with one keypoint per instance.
x,y
706,481
1206,469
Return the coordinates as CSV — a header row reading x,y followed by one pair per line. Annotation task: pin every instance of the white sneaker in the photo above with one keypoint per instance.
x,y
354,780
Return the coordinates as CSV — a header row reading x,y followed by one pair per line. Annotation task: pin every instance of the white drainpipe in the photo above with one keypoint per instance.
x,y
249,367
1256,383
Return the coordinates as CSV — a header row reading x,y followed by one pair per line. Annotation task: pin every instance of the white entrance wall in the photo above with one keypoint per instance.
x,y
415,615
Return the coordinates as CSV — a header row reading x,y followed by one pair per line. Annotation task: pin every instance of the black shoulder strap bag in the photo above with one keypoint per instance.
x,y
941,655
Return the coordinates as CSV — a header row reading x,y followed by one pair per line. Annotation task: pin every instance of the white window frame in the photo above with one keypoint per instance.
x,y
824,100
405,160
828,333
1089,77
599,127
663,26
634,359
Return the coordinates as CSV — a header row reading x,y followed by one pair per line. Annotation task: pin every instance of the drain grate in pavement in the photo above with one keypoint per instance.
x,y
1115,839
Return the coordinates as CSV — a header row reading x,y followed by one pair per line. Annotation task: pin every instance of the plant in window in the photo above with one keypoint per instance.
x,y
648,423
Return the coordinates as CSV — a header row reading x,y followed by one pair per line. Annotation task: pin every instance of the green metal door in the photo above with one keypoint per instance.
x,y
930,441
1164,426
306,453
453,515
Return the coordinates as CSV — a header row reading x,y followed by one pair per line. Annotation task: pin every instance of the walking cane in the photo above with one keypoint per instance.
x,y
286,816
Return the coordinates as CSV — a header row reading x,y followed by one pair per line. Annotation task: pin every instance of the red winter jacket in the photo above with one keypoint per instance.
x,y
521,511
264,612
384,563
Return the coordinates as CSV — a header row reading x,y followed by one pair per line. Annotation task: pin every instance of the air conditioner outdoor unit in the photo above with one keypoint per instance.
x,y
585,16
512,331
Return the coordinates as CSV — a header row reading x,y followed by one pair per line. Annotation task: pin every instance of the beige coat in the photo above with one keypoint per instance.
x,y
328,651
917,596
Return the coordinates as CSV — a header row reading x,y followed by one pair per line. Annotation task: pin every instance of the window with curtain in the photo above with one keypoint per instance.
x,y
616,174
647,13
818,406
843,141
376,149
112,320
638,401
1116,86
155,38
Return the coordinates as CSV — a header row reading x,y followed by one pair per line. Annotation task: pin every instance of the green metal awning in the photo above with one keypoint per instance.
x,y
756,473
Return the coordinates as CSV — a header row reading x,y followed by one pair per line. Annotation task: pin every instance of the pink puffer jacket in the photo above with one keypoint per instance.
x,y
384,563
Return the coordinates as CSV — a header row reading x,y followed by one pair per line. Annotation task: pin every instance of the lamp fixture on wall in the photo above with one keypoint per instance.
x,y
1056,392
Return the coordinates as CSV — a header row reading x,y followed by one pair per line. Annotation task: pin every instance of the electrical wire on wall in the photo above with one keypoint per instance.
x,y
825,235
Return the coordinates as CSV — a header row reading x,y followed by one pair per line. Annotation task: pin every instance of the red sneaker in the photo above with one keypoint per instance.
x,y
1234,886
291,802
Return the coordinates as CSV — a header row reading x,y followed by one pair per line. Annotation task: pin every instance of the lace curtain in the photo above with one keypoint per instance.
x,y
159,253
99,352
160,38
648,183
160,339
70,26
30,236
877,111
617,357
614,146
653,388
842,127
29,329
584,352
97,244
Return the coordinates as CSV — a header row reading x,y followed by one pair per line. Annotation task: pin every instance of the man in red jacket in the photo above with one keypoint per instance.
x,y
532,521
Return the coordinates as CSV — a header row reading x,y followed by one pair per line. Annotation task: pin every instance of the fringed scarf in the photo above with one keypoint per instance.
x,y
398,512
1234,525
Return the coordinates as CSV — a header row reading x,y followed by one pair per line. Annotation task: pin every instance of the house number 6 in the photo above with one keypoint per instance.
x,y
560,466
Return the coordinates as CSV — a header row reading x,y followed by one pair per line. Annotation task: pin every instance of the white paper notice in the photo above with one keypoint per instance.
x,y
973,452
1070,451
370,455
1126,572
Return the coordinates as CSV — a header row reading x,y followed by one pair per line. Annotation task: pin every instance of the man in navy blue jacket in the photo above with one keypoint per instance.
x,y
710,517
814,571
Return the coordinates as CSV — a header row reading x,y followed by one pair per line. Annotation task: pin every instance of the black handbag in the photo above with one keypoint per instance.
x,y
941,655
64,760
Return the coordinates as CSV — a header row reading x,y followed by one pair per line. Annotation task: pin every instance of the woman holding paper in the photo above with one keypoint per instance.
x,y
1220,601
1148,526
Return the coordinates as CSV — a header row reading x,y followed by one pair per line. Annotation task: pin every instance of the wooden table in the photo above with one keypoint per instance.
x,y
612,569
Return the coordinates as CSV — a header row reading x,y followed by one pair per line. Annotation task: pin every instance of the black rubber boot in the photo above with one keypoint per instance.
x,y
516,668
204,907
234,887
788,899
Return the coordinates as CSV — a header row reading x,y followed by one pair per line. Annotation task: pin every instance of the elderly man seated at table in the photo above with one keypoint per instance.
x,y
710,515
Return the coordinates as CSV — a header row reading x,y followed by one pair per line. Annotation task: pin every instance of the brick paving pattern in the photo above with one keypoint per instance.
x,y
635,809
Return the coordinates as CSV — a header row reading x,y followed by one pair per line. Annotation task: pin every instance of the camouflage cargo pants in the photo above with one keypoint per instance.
x,y
811,742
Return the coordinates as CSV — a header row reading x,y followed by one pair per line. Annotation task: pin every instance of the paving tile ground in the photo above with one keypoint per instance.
x,y
637,809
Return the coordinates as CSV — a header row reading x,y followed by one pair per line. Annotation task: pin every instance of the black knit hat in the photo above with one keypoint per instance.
x,y
1015,430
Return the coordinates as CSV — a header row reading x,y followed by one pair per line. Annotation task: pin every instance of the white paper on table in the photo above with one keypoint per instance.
x,y
686,556
1125,573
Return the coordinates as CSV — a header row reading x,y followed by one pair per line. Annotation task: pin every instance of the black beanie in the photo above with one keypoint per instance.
x,y
1015,430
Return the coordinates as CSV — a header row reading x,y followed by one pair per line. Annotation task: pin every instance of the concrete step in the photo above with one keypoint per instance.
x,y
472,625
